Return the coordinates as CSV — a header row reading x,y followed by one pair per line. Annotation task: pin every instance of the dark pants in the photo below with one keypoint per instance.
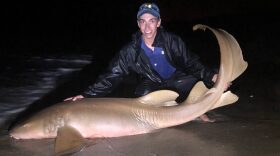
x,y
180,83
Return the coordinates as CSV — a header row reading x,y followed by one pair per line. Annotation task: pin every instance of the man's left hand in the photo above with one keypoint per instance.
x,y
214,79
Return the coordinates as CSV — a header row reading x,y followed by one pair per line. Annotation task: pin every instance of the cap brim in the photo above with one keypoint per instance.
x,y
140,13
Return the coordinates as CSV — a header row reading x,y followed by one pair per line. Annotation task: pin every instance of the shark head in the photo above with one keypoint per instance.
x,y
29,129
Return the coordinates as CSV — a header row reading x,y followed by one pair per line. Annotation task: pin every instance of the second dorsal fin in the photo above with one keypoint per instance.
x,y
197,91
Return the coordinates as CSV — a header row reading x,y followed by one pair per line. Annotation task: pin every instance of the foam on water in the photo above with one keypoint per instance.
x,y
23,81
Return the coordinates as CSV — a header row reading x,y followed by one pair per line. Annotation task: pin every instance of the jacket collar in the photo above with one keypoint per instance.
x,y
159,40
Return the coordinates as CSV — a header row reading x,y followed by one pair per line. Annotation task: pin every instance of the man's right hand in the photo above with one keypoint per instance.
x,y
74,98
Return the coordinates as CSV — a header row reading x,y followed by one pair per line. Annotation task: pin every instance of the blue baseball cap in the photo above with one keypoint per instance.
x,y
150,8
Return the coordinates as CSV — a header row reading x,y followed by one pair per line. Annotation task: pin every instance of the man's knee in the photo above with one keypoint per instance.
x,y
183,86
185,83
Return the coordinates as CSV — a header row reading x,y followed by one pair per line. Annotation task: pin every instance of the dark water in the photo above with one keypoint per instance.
x,y
27,79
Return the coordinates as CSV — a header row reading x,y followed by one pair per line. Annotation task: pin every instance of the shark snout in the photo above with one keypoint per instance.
x,y
14,133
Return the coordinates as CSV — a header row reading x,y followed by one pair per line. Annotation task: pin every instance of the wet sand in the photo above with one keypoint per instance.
x,y
227,136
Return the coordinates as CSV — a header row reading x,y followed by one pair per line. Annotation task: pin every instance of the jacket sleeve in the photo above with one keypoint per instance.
x,y
109,80
192,65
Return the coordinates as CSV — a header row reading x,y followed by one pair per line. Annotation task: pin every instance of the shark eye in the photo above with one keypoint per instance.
x,y
26,125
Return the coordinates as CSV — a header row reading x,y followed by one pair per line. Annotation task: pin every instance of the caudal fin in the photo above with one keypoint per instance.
x,y
228,43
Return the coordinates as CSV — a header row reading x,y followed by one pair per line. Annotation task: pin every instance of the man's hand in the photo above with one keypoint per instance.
x,y
214,79
74,98
205,118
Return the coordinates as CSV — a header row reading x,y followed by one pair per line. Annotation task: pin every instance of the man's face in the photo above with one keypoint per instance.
x,y
148,25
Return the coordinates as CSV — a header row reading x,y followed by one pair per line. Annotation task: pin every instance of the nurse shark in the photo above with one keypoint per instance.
x,y
71,122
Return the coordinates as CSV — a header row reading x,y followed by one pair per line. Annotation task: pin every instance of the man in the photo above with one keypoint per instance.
x,y
160,58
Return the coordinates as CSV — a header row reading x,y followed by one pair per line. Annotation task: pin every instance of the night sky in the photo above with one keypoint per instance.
x,y
87,26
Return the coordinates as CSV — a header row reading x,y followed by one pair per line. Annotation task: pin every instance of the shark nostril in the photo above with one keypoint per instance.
x,y
15,137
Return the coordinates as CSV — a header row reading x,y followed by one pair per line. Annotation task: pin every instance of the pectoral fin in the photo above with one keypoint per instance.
x,y
68,140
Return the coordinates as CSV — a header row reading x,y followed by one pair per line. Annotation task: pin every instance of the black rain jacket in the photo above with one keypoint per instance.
x,y
132,58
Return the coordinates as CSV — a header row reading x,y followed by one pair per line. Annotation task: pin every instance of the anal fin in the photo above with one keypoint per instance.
x,y
68,141
226,99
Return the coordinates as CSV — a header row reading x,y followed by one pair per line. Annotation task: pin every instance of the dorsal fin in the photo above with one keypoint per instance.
x,y
197,91
226,99
159,98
